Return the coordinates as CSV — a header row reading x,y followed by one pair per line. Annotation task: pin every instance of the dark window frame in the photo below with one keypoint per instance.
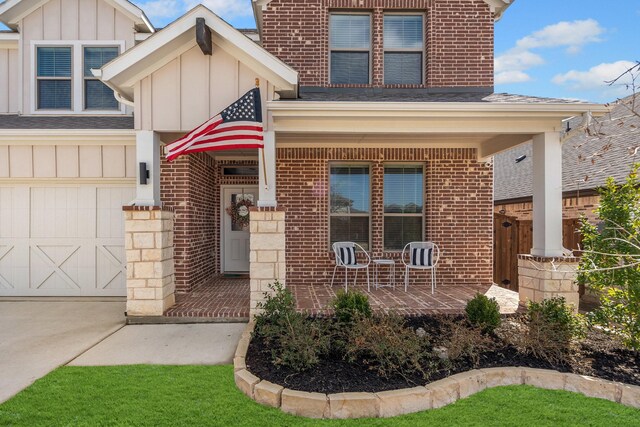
x,y
369,50
391,50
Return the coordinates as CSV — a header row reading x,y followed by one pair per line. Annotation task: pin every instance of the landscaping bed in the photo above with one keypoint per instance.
x,y
358,351
598,355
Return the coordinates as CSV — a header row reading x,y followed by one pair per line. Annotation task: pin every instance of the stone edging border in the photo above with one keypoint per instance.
x,y
406,401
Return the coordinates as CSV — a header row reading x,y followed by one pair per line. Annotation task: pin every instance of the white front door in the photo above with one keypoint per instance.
x,y
235,227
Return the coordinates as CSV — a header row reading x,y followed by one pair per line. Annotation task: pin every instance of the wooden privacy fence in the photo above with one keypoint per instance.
x,y
512,236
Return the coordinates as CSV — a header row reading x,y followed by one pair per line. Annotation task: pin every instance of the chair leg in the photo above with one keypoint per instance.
x,y
406,278
368,283
433,281
355,278
334,274
345,278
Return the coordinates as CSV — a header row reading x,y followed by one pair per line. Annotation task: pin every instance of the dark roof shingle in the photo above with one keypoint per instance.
x,y
14,121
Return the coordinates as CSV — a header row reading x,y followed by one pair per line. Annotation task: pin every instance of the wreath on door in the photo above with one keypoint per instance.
x,y
239,212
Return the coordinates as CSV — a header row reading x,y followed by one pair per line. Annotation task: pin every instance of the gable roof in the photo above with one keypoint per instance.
x,y
122,73
587,161
12,11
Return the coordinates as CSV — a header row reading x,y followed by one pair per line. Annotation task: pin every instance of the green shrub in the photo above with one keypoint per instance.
x,y
295,340
483,312
385,345
551,330
350,305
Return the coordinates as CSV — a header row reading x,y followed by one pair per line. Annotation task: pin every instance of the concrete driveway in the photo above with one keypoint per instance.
x,y
37,337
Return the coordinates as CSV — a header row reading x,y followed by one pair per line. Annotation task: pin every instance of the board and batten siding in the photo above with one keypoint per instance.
x,y
9,87
67,161
192,88
70,20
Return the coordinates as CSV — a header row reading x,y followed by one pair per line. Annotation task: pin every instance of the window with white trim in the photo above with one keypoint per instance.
x,y
97,96
350,48
350,204
403,49
403,205
62,82
54,77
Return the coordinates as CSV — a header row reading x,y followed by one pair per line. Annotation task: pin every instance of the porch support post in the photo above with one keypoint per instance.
x,y
547,195
267,192
148,151
546,273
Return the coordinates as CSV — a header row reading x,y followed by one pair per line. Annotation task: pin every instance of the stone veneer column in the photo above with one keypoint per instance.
x,y
267,255
150,271
541,278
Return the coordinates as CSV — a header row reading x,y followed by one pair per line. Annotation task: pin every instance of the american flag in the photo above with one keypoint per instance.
x,y
237,126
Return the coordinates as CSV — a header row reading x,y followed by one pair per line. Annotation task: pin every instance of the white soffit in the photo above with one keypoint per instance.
x,y
12,11
125,71
9,40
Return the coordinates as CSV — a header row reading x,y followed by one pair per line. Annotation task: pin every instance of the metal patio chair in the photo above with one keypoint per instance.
x,y
422,256
346,257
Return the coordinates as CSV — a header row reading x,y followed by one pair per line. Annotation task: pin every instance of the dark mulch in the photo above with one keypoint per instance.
x,y
599,355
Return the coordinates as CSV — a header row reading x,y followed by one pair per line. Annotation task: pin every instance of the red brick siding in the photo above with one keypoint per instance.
x,y
458,38
191,186
458,205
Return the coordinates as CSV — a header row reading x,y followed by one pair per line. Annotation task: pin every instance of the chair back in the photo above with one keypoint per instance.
x,y
345,253
421,254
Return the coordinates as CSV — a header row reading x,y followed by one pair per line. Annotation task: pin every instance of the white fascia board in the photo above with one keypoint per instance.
x,y
498,7
9,40
288,108
12,11
134,12
172,41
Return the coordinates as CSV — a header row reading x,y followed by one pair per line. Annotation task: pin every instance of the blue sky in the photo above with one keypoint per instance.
x,y
555,48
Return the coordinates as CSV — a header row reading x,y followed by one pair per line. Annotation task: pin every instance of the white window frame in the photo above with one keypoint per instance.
x,y
38,78
424,202
77,76
420,50
344,49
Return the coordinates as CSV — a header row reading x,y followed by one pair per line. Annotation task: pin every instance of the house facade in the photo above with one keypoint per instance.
x,y
380,126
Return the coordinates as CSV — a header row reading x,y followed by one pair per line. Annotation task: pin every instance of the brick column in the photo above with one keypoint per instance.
x,y
267,253
541,278
150,271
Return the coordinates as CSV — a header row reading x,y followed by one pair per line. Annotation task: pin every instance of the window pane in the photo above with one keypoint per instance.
x,y
403,189
98,96
96,57
349,192
400,230
350,67
403,31
350,31
350,229
402,68
54,94
54,61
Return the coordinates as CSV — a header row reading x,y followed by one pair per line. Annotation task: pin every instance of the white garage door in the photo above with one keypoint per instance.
x,y
63,240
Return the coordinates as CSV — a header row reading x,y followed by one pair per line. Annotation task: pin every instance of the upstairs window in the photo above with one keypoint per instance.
x,y
53,78
97,96
350,46
403,206
349,206
403,49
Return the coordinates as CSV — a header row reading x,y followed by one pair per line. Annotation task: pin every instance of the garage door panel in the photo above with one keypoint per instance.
x,y
49,244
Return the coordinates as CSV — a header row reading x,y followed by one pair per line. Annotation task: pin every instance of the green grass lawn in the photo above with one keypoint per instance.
x,y
206,395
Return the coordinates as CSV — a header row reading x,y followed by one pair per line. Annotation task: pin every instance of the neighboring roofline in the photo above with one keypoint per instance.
x,y
136,63
587,192
46,135
9,40
12,11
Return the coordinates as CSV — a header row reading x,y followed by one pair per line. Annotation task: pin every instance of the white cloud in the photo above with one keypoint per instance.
x,y
172,9
512,66
572,35
162,9
226,9
596,77
507,77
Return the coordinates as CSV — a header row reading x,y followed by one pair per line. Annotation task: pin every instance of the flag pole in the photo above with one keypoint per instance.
x,y
264,162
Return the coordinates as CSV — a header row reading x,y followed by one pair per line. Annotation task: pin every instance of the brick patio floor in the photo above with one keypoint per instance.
x,y
418,300
228,298
222,297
